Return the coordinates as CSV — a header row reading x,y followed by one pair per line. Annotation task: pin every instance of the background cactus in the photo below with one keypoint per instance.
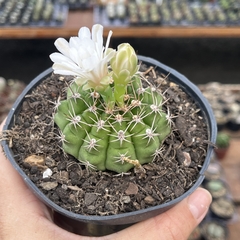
x,y
113,122
222,140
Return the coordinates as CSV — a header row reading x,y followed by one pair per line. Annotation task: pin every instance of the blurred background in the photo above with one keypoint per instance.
x,y
202,60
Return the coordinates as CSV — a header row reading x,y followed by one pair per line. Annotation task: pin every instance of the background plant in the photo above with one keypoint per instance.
x,y
222,140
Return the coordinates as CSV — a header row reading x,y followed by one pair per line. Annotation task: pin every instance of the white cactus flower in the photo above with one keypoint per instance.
x,y
85,57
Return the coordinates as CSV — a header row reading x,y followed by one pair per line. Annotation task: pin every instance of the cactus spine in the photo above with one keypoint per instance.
x,y
117,126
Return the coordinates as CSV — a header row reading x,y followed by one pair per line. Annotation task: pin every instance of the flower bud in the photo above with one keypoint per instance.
x,y
125,61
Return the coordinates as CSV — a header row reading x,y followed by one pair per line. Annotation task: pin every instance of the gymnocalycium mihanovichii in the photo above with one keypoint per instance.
x,y
109,121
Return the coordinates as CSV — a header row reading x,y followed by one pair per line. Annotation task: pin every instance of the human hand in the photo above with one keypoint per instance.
x,y
24,217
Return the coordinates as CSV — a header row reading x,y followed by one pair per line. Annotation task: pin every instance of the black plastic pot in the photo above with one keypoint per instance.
x,y
103,225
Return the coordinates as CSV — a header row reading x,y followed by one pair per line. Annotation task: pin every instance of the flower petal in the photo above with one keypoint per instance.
x,y
90,63
110,54
74,42
97,37
58,57
63,66
62,46
108,41
84,32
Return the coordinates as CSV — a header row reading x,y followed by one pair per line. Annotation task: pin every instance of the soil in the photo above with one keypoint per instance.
x,y
86,192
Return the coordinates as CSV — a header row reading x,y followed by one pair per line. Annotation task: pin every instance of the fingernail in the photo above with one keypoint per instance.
x,y
199,203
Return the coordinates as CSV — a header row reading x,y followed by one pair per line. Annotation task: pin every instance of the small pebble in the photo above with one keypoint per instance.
x,y
132,189
47,173
49,185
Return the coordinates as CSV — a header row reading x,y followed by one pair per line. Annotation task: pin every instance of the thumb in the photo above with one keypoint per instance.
x,y
176,223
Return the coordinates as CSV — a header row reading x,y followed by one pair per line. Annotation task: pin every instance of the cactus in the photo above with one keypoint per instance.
x,y
110,121
222,140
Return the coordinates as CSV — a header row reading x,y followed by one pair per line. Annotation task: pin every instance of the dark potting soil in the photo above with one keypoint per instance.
x,y
80,190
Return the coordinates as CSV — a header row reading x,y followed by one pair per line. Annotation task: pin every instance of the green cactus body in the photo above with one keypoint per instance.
x,y
115,140
108,120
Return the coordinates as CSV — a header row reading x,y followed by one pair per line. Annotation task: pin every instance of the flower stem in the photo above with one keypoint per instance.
x,y
108,97
119,92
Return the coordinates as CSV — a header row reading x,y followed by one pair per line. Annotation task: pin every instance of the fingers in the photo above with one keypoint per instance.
x,y
175,224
